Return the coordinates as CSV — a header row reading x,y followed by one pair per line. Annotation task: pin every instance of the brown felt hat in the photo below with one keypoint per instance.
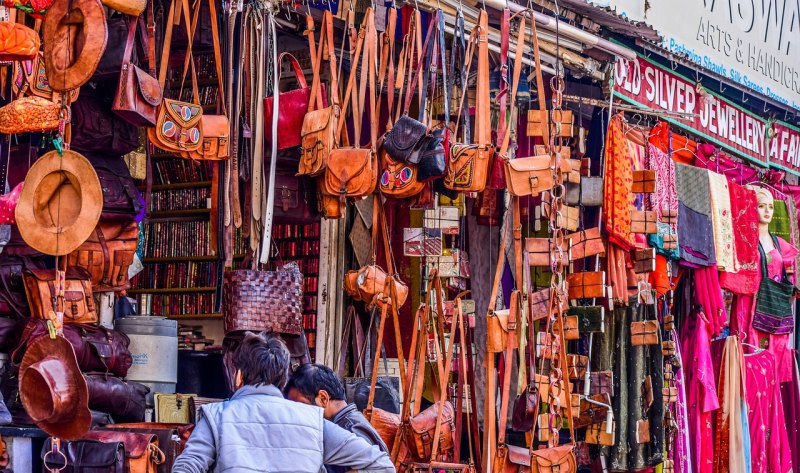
x,y
60,203
74,42
53,390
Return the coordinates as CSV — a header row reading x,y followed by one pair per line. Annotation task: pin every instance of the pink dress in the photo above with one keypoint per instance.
x,y
769,444
701,390
778,345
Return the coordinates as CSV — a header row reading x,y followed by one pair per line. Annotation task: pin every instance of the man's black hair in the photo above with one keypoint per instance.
x,y
310,379
263,359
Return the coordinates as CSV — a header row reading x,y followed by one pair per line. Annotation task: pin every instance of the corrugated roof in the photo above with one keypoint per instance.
x,y
608,17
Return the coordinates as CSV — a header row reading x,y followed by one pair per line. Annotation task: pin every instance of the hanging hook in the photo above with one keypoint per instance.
x,y
721,87
745,99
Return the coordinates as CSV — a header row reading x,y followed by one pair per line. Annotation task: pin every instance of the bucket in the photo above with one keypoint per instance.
x,y
154,348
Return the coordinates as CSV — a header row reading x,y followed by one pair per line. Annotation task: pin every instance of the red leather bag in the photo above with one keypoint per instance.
x,y
292,108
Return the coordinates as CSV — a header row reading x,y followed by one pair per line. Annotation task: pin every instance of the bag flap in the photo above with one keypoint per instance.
x,y
519,455
104,349
554,456
215,126
502,318
425,421
41,274
184,114
135,444
316,120
86,453
534,163
346,163
405,134
149,88
73,296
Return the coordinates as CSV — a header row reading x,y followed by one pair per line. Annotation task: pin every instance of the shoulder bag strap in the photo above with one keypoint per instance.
x,y
448,365
483,125
188,61
505,393
349,90
126,55
218,59
513,117
316,95
376,362
462,115
416,78
539,80
502,95
387,67
404,66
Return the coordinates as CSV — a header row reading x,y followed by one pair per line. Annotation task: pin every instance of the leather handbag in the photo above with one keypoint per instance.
x,y
773,312
172,438
398,179
645,332
587,193
370,281
554,460
586,243
403,142
84,456
97,349
600,434
264,300
107,255
96,129
540,252
29,115
469,165
124,400
644,181
122,202
644,221
529,176
432,163
587,284
40,288
178,129
142,454
497,325
576,366
138,93
319,132
17,42
216,129
293,108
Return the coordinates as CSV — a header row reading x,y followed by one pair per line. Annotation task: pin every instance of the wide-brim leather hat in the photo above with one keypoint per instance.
x,y
60,203
74,42
53,390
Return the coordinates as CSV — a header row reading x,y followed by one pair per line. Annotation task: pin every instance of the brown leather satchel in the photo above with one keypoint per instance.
x,y
645,332
529,176
319,132
138,93
469,165
540,252
587,284
586,243
644,181
40,287
142,454
554,460
498,324
644,221
107,255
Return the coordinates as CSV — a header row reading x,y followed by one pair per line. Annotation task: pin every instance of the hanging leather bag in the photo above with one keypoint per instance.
x,y
319,132
107,255
469,164
138,93
142,454
81,456
40,287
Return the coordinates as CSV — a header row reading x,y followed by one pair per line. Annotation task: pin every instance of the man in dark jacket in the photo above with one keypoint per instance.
x,y
318,385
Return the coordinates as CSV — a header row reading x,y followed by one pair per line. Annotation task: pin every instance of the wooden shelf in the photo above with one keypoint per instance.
x,y
174,259
177,185
172,290
179,213
212,316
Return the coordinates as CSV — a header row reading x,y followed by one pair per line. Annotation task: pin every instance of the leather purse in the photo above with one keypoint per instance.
x,y
576,366
107,255
587,285
644,181
398,179
591,319
644,260
84,456
263,300
469,165
432,163
668,348
570,327
179,126
293,108
172,438
554,460
142,454
40,288
540,304
29,115
497,326
539,123
18,42
124,400
295,200
529,176
540,252
645,332
30,78
138,93
586,243
596,434
330,207
97,349
601,382
319,132
643,221
587,193
370,281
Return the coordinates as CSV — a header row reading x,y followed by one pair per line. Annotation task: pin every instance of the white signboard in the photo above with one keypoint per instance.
x,y
753,42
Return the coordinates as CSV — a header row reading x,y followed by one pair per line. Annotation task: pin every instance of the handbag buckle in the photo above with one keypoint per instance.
x,y
534,182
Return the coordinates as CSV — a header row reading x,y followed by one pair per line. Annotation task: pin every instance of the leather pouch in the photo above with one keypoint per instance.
x,y
351,172
468,168
668,348
142,454
670,394
586,243
40,288
538,123
587,285
554,460
540,252
644,181
591,414
419,432
643,431
645,333
404,141
591,319
596,434
524,409
570,327
576,366
529,176
540,304
643,221
644,260
601,382
370,281
178,127
669,323
317,140
513,459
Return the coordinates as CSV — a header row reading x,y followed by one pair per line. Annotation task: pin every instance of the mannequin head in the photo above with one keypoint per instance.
x,y
766,205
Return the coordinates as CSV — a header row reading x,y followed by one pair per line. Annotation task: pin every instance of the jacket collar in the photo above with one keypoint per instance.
x,y
269,390
344,413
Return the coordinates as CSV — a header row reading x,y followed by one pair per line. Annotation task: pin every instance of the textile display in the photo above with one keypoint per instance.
x,y
744,211
780,225
617,196
725,249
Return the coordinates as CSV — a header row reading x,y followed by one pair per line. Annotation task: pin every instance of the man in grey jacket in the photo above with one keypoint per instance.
x,y
259,430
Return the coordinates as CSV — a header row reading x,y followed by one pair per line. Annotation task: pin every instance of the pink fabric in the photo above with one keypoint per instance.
x,y
681,452
8,205
778,345
701,390
709,296
769,444
744,209
665,196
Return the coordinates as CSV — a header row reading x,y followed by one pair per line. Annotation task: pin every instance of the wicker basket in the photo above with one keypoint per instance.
x,y
264,300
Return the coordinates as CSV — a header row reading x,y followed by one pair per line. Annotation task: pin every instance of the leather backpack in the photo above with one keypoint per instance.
x,y
122,202
40,288
107,255
319,133
96,129
142,454
469,164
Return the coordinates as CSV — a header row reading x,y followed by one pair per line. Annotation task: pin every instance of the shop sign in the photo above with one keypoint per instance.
x,y
718,120
753,43
784,147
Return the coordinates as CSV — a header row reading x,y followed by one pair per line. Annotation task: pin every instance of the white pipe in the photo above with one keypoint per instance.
x,y
567,30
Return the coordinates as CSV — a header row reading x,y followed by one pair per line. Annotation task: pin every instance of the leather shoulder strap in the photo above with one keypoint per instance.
x,y
539,80
483,132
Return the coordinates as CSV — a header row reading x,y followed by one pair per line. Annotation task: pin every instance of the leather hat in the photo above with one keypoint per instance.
x,y
60,203
53,390
74,42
